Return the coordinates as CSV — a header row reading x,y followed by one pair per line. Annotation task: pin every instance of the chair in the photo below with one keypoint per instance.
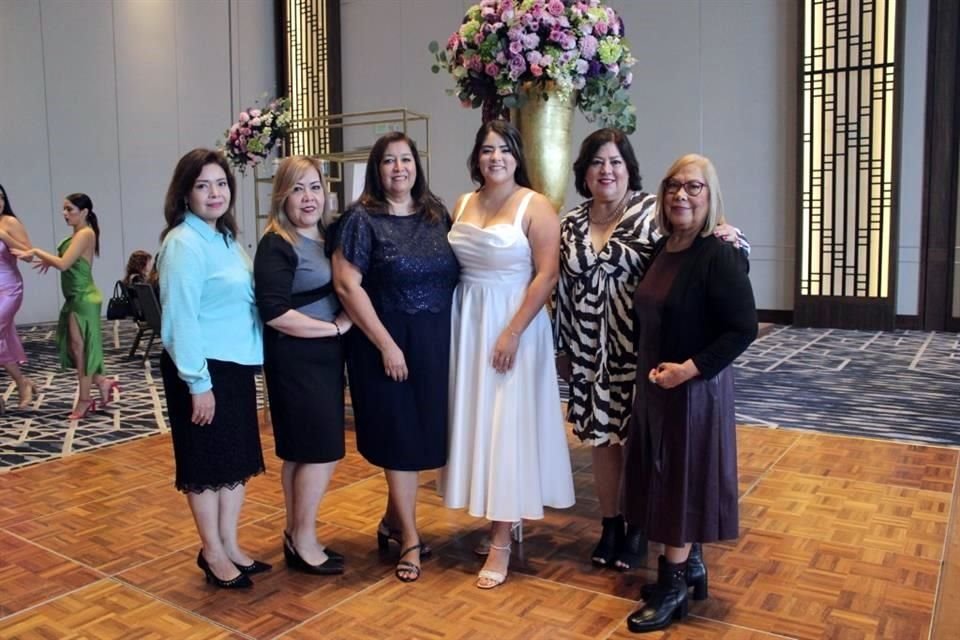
x,y
136,314
147,305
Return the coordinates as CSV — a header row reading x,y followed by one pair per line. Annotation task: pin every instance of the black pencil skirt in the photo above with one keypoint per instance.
x,y
225,453
305,381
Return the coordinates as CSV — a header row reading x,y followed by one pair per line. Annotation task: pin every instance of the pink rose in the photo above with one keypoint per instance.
x,y
555,7
255,122
536,70
454,41
491,69
244,117
255,113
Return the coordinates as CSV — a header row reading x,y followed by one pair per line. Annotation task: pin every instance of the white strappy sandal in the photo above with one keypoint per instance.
x,y
493,578
516,532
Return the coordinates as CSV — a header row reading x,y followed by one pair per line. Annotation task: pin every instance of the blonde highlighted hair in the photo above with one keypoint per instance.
x,y
290,171
715,212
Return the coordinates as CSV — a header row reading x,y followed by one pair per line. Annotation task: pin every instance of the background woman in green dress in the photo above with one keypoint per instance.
x,y
79,338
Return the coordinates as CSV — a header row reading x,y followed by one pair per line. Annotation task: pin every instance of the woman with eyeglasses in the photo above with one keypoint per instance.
x,y
605,247
695,315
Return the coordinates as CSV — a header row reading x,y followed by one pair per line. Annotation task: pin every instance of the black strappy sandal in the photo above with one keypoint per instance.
x,y
405,566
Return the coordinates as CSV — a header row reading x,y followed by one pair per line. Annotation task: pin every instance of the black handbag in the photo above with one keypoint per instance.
x,y
119,306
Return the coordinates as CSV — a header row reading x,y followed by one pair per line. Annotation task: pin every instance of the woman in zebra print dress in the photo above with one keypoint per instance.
x,y
606,246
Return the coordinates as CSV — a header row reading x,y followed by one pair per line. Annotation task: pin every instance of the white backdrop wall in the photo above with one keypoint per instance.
x,y
717,77
103,97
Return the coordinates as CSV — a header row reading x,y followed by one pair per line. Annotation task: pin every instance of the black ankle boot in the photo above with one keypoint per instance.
x,y
668,600
634,550
696,575
611,542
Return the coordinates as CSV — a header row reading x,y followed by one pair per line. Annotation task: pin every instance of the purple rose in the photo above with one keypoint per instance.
x,y
579,83
569,41
628,78
516,47
614,68
492,69
601,28
595,68
530,41
546,61
582,67
515,33
517,63
555,7
501,57
534,57
556,35
488,13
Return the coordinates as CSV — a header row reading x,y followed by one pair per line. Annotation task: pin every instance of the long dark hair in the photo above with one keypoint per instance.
x,y
374,198
511,136
589,148
7,210
184,176
83,201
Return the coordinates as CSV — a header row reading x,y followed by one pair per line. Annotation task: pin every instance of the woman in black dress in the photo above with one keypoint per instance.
x,y
213,348
695,314
395,273
303,355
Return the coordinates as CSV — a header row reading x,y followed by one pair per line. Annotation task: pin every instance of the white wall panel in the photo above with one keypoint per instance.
x,y
146,97
24,159
80,80
123,87
749,105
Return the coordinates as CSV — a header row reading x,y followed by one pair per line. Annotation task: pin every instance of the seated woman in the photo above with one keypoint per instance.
x,y
139,266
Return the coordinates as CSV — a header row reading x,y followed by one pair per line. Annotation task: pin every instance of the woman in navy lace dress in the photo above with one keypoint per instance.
x,y
394,272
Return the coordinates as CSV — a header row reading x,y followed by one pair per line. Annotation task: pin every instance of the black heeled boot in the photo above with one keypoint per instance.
x,y
667,602
611,542
634,550
696,575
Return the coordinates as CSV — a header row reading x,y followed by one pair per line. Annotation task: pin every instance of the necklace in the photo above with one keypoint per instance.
x,y
614,215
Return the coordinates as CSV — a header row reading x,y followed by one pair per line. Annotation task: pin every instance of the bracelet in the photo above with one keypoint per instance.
x,y
338,328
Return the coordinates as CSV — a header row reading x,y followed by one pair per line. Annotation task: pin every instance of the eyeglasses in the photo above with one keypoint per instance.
x,y
692,187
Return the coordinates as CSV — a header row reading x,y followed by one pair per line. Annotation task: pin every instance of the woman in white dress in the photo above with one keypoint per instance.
x,y
508,454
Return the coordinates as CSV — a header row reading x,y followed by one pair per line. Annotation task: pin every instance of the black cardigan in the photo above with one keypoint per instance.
x,y
709,315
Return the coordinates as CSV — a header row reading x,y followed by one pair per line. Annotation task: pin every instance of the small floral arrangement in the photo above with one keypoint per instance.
x,y
575,45
251,138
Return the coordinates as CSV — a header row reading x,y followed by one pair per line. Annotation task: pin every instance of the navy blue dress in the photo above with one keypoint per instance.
x,y
409,272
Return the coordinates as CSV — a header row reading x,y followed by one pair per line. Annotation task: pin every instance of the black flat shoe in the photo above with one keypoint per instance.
x,y
254,567
242,581
333,555
330,567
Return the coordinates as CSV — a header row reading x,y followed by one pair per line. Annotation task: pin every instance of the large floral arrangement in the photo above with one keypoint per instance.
x,y
572,45
251,138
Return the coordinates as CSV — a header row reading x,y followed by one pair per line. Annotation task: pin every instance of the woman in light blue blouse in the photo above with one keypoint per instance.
x,y
213,347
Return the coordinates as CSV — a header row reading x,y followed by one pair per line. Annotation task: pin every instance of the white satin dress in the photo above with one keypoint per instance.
x,y
508,454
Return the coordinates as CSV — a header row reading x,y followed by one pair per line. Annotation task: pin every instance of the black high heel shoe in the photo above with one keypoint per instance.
x,y
386,533
634,549
611,542
330,567
333,555
696,575
242,581
254,567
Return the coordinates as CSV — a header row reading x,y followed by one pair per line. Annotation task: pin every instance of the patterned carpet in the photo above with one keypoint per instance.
x,y
902,385
43,432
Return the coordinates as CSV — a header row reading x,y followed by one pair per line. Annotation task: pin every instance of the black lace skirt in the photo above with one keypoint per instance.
x,y
225,453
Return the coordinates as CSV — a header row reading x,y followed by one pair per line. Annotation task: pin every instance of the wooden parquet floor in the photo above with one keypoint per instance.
x,y
841,538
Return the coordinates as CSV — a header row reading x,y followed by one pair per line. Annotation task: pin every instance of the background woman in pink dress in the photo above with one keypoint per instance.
x,y
13,235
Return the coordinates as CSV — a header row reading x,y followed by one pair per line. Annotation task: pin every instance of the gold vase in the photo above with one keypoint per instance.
x,y
545,124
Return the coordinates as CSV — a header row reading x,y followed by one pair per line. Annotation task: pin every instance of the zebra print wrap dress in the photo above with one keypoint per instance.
x,y
594,317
